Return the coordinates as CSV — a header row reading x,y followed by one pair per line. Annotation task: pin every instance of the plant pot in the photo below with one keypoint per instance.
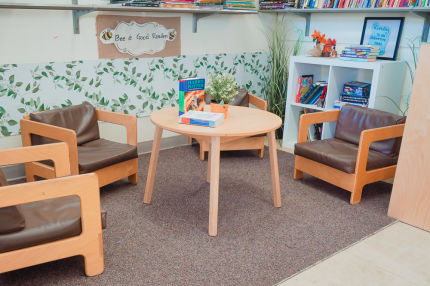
x,y
217,108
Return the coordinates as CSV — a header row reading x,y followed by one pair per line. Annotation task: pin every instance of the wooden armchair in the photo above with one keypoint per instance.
x,y
248,143
362,151
77,126
51,219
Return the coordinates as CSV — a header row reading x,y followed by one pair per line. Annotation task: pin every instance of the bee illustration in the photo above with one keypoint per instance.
x,y
107,35
172,35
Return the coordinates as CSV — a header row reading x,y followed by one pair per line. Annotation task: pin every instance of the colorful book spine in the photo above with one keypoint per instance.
x,y
191,94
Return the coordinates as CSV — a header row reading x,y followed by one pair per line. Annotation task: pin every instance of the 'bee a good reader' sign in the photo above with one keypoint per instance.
x,y
125,37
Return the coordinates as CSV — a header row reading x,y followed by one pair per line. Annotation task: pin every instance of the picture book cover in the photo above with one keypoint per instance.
x,y
304,84
191,94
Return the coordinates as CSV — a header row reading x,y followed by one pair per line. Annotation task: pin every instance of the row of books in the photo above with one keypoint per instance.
x,y
309,92
356,92
360,53
270,5
240,5
320,4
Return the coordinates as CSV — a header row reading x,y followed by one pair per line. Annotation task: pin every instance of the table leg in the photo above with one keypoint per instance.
x,y
208,175
152,165
274,169
214,184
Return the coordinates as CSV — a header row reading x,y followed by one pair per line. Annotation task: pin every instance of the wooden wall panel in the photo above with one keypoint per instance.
x,y
410,199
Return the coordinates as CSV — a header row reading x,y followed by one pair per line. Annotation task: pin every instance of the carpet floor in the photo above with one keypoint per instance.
x,y
166,242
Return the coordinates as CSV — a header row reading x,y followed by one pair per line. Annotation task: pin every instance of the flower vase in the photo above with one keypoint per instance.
x,y
218,108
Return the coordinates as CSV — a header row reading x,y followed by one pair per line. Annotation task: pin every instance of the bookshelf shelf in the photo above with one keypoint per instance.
x,y
423,12
310,106
386,78
79,10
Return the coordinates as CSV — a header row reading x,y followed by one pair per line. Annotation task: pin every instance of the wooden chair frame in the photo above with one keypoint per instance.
x,y
236,143
350,182
89,243
105,175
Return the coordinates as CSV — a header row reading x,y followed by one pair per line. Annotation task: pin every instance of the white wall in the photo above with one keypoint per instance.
x,y
33,36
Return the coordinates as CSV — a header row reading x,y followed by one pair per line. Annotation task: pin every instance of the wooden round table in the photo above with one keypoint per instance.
x,y
241,122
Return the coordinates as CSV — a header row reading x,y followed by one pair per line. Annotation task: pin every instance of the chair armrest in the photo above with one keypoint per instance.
x,y
312,118
129,121
84,186
57,152
369,136
259,102
68,136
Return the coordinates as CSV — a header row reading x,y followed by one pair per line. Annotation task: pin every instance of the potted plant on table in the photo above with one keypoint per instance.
x,y
221,90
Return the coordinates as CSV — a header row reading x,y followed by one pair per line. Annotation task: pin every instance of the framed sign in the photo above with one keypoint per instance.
x,y
130,36
383,32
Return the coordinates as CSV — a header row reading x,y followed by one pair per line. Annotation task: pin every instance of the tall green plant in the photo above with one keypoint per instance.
x,y
279,58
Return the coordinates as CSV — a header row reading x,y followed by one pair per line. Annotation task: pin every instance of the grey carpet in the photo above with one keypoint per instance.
x,y
166,242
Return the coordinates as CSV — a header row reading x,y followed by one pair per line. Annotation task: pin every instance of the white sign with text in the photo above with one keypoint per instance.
x,y
138,39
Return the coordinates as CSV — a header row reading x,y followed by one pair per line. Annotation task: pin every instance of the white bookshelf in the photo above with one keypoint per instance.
x,y
386,79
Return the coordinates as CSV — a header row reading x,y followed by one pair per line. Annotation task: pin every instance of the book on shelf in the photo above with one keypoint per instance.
x,y
356,89
315,94
303,85
191,94
202,118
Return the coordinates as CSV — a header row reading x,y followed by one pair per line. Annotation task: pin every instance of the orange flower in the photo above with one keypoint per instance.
x,y
322,39
316,35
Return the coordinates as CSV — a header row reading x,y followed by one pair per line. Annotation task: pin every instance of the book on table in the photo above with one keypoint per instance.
x,y
191,94
202,118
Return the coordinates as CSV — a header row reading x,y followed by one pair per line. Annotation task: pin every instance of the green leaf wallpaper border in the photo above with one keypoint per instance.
x,y
135,86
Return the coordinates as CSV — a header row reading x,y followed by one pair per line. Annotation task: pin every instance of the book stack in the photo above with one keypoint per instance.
x,y
281,4
191,94
311,93
179,4
360,53
202,118
247,5
356,92
209,3
136,3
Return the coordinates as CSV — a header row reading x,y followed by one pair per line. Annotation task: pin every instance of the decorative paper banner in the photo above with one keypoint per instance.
x,y
143,37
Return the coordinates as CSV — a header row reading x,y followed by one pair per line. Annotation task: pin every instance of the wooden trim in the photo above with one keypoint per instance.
x,y
117,172
325,173
68,136
57,152
371,135
312,118
129,121
258,102
88,243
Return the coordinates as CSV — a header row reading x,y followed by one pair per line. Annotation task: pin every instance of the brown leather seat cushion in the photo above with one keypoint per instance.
x,y
81,118
341,155
101,153
47,221
354,119
11,218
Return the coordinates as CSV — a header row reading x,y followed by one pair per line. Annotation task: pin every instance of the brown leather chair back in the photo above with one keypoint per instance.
x,y
354,119
81,118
